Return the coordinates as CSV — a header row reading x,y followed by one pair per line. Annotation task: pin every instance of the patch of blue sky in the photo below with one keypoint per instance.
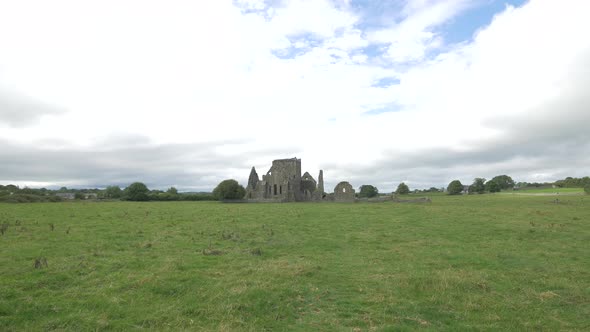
x,y
385,82
306,38
261,9
300,44
390,108
287,53
375,49
375,13
374,52
463,27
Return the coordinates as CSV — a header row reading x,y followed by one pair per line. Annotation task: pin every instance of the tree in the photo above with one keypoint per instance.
x,y
402,189
455,187
229,189
172,191
11,188
478,186
113,192
79,195
367,190
587,189
136,191
504,181
570,182
492,186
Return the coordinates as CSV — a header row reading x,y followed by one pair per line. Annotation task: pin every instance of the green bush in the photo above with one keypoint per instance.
x,y
53,198
492,186
587,189
367,190
455,187
113,192
229,189
504,182
478,186
136,191
28,198
402,189
197,197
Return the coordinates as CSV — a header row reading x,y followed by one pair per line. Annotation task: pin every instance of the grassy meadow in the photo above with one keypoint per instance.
x,y
487,262
549,191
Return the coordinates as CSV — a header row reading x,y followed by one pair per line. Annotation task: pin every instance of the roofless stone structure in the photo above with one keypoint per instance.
x,y
284,183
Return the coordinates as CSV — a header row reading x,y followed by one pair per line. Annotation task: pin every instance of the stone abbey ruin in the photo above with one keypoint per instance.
x,y
284,183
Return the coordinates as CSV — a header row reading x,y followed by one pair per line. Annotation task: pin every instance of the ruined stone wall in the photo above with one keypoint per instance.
x,y
253,189
344,192
284,183
308,187
283,180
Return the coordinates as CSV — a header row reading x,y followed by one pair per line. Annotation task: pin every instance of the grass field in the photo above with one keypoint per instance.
x,y
482,262
549,191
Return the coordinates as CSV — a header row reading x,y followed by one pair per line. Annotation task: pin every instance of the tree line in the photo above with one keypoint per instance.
x,y
481,186
230,190
570,182
139,192
136,191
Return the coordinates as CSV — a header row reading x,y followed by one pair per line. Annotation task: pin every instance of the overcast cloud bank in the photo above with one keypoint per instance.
x,y
187,93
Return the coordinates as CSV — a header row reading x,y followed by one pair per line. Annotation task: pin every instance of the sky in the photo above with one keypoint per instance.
x,y
189,93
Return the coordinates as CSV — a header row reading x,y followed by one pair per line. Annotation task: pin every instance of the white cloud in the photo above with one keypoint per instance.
x,y
319,17
185,72
414,36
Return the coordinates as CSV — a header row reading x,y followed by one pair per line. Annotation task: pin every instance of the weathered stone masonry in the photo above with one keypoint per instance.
x,y
344,192
284,183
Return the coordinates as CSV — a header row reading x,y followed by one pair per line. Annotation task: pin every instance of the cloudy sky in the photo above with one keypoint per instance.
x,y
188,93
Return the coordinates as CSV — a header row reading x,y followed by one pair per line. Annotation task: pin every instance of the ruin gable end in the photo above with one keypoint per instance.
x,y
344,192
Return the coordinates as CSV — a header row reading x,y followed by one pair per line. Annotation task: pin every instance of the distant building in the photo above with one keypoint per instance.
x,y
66,195
465,189
283,183
73,195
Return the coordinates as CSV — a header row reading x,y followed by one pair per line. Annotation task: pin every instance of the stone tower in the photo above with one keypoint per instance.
x,y
321,182
319,193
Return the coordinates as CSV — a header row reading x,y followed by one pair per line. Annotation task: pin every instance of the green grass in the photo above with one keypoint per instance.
x,y
480,262
549,191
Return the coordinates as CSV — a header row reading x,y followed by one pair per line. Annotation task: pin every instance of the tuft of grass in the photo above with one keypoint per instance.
x,y
212,252
3,228
40,263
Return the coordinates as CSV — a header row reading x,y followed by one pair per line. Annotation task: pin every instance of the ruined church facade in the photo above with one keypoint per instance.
x,y
284,183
